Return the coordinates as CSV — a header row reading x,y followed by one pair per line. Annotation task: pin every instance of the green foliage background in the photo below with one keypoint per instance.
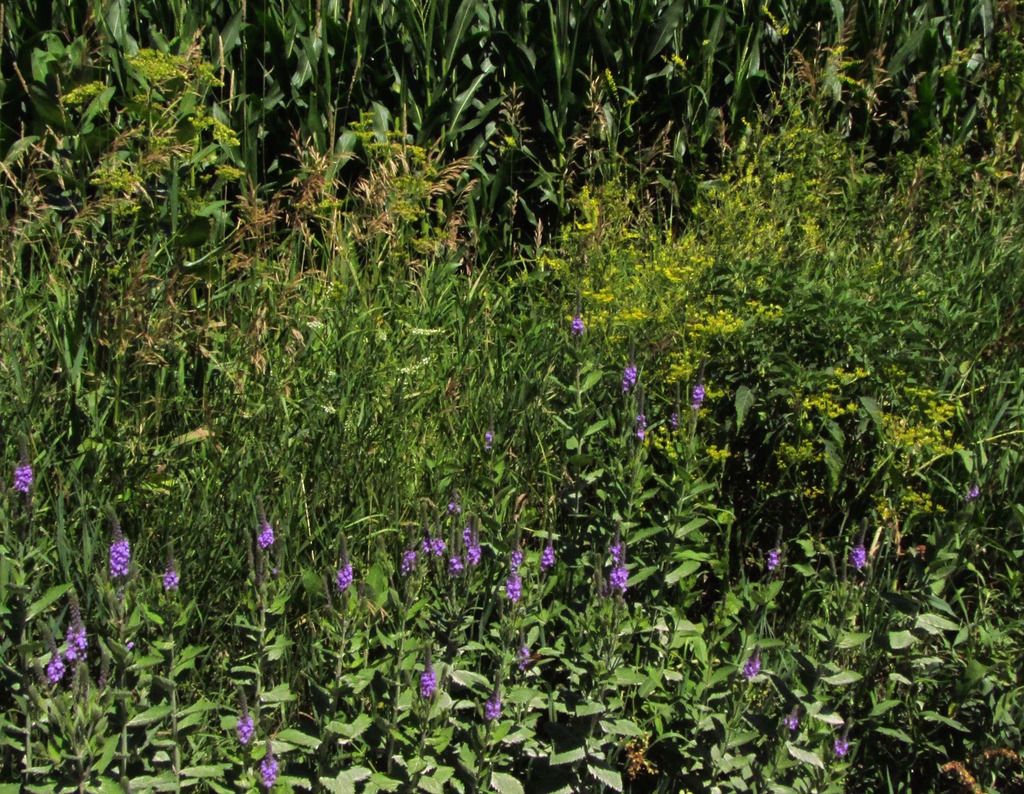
x,y
301,259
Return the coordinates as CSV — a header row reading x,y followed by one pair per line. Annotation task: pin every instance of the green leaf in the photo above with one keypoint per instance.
x,y
206,770
609,777
351,730
298,738
153,714
505,784
843,678
45,600
345,782
804,756
744,402
279,694
935,624
570,756
901,639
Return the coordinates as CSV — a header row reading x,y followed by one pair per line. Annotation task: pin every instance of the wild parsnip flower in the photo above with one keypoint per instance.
x,y
428,682
492,708
120,554
697,397
547,557
269,768
171,578
344,576
23,477
774,557
514,587
408,562
841,747
244,727
265,539
859,557
577,325
752,666
628,378
641,426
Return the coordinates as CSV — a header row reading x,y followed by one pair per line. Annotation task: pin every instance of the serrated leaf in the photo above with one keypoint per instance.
x,y
150,715
298,738
351,730
505,784
570,756
279,694
804,756
609,777
744,402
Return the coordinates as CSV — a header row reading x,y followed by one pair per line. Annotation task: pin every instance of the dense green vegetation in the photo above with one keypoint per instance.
x,y
680,343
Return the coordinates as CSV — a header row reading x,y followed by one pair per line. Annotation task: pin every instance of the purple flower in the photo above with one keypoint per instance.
x,y
120,555
244,727
268,768
428,682
841,747
616,550
697,397
641,426
577,325
972,493
628,378
266,536
547,557
792,720
455,565
514,587
408,562
673,420
515,560
858,556
171,578
752,667
344,577
23,478
618,578
774,557
473,554
472,543
488,440
454,508
55,668
76,638
524,656
492,708
438,546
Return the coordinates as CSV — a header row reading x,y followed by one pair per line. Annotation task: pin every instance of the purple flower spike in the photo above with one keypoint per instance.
x,y
473,554
489,440
616,550
266,537
55,669
514,587
171,578
673,420
76,638
752,667
628,378
774,557
618,579
859,557
515,560
23,478
577,326
492,708
641,426
120,555
344,577
547,557
524,655
973,493
408,562
455,565
697,397
244,728
841,747
428,682
269,768
454,508
792,720
438,546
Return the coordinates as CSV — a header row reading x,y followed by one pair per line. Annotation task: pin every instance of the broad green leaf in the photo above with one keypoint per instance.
x,y
296,737
505,784
804,756
608,777
935,624
843,678
153,714
45,600
744,402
